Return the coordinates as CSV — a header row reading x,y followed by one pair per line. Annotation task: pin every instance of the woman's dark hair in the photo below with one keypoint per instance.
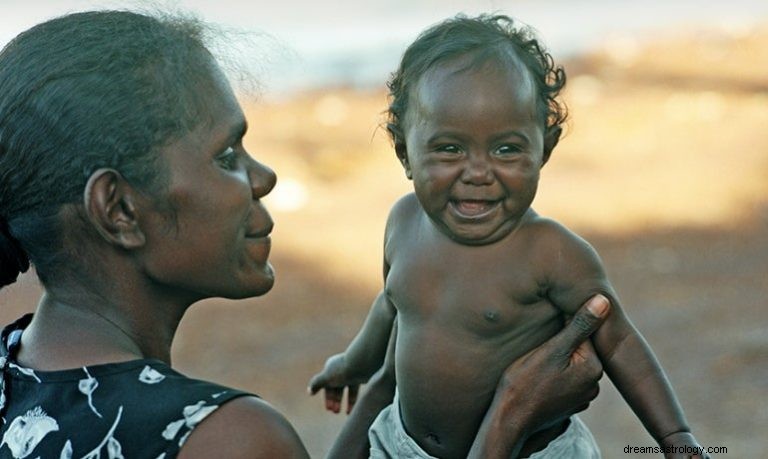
x,y
485,37
82,92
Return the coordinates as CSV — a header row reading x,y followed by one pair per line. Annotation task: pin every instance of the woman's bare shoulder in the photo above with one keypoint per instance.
x,y
246,427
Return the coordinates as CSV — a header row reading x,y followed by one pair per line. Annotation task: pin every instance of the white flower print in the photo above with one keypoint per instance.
x,y
66,452
2,395
27,430
87,386
172,429
114,450
219,394
26,371
161,456
193,414
113,447
150,376
184,438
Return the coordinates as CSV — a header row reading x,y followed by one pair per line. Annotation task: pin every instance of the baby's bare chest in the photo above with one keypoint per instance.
x,y
484,291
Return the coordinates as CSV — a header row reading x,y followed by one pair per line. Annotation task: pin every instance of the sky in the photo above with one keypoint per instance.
x,y
358,42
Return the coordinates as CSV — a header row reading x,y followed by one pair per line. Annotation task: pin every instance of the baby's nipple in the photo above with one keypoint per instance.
x,y
491,316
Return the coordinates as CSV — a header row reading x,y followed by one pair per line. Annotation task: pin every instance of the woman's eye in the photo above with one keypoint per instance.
x,y
228,159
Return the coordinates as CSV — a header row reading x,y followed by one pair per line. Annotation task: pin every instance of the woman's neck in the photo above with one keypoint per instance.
x,y
73,330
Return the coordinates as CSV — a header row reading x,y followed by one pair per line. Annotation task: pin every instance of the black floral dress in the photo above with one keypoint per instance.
x,y
135,409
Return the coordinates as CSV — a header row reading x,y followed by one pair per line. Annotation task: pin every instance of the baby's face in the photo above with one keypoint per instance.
x,y
473,148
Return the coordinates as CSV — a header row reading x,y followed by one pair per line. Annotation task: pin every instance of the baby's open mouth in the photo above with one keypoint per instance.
x,y
473,208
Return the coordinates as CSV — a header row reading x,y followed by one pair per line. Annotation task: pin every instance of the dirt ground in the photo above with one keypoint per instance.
x,y
663,170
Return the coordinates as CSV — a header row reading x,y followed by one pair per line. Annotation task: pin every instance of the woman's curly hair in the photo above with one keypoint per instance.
x,y
484,37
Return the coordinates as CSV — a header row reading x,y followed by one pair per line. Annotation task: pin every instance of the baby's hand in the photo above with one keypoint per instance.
x,y
334,378
682,440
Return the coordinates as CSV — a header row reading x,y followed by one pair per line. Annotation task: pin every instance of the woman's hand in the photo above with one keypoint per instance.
x,y
545,386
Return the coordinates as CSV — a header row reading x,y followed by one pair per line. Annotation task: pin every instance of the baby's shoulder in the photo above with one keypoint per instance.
x,y
406,205
403,211
550,237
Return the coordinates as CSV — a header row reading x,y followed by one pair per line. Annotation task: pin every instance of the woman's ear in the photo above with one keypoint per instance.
x,y
551,137
402,154
110,205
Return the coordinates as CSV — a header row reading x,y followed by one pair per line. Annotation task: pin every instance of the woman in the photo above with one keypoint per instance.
x,y
126,184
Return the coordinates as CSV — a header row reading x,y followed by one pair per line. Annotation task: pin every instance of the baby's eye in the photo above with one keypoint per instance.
x,y
508,149
228,159
448,148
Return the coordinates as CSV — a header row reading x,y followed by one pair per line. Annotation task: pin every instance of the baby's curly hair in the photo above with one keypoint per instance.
x,y
486,37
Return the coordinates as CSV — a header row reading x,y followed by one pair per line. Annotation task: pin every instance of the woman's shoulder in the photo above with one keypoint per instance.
x,y
141,408
138,408
218,421
247,427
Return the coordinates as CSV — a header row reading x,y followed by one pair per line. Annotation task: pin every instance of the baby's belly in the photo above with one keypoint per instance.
x,y
446,380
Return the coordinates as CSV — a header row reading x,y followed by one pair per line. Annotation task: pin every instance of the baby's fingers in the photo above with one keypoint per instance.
x,y
316,383
333,397
352,397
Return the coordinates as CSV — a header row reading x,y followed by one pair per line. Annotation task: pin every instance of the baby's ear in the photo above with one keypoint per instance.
x,y
402,154
551,137
111,208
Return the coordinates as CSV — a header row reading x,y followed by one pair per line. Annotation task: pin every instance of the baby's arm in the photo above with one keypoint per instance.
x,y
364,355
574,272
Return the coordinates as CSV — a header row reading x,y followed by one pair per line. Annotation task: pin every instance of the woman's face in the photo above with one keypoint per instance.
x,y
209,233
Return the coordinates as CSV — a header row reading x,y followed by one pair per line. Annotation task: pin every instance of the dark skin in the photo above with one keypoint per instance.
x,y
140,266
475,279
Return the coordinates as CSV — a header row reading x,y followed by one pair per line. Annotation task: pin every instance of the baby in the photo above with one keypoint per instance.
x,y
474,277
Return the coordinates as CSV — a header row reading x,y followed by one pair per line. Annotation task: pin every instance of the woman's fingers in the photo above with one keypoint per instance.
x,y
586,321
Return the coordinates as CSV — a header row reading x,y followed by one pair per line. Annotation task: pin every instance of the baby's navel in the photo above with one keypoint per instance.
x,y
433,437
491,316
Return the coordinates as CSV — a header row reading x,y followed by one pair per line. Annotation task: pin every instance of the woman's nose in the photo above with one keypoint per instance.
x,y
263,179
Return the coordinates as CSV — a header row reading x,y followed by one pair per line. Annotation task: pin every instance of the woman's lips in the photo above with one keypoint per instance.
x,y
260,233
473,209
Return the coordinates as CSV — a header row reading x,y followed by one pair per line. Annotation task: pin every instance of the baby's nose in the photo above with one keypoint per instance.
x,y
477,172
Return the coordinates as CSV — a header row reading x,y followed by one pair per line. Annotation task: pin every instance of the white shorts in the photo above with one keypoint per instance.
x,y
390,441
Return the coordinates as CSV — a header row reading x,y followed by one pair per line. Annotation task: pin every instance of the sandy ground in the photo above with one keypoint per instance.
x,y
663,170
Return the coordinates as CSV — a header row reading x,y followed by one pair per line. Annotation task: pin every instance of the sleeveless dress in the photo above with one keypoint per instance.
x,y
135,409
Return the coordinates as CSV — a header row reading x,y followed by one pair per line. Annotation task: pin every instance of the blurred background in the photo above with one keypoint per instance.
x,y
663,169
